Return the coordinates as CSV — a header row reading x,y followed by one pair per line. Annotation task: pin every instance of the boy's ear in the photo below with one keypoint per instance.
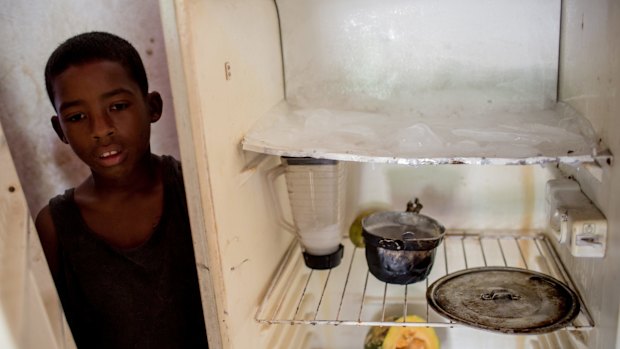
x,y
58,129
155,104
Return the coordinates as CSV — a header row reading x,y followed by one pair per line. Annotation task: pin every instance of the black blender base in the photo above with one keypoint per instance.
x,y
324,262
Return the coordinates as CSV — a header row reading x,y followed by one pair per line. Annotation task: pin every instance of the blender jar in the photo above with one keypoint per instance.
x,y
316,194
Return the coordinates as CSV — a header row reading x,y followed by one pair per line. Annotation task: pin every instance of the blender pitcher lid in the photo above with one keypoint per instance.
x,y
504,299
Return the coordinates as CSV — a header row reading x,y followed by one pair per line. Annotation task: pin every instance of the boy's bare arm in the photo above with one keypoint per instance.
x,y
49,239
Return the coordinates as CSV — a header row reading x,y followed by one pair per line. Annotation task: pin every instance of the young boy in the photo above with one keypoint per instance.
x,y
118,245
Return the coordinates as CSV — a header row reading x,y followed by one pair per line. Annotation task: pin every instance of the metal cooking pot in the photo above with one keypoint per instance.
x,y
400,246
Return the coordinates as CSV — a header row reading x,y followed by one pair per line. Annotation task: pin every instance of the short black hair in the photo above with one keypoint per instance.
x,y
91,47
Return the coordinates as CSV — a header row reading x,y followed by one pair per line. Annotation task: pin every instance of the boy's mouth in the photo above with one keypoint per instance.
x,y
107,154
111,158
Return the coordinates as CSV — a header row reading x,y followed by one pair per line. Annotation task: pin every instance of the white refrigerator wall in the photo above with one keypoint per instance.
x,y
391,55
590,82
458,196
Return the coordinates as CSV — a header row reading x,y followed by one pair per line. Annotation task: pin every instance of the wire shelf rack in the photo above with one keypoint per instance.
x,y
350,295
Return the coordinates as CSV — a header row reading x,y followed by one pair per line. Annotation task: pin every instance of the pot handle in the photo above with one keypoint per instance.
x,y
415,206
272,175
499,294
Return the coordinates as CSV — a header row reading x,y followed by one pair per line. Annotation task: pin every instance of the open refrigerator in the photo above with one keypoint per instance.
x,y
482,109
498,115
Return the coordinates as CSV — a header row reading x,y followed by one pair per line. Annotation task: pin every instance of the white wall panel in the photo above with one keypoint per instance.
x,y
398,55
590,82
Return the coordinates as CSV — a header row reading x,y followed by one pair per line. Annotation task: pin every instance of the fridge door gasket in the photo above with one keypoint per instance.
x,y
350,295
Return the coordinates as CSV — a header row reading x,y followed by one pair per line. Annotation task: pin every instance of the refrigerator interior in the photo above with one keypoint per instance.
x,y
237,66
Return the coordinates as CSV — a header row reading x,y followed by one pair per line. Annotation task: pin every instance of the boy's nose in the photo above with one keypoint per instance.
x,y
102,126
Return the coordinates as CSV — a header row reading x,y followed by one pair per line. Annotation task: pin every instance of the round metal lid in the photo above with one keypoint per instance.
x,y
503,299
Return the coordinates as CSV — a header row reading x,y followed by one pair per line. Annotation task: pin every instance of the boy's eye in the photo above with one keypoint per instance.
x,y
75,117
119,106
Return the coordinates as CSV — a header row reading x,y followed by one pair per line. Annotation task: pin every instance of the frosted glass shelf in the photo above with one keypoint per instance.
x,y
429,136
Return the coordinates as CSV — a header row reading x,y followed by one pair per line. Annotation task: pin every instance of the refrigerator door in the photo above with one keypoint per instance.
x,y
226,71
30,312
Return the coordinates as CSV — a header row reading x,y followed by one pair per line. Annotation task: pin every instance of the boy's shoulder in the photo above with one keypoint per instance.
x,y
171,166
170,160
48,237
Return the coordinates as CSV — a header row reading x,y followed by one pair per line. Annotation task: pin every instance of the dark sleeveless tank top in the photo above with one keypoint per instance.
x,y
145,297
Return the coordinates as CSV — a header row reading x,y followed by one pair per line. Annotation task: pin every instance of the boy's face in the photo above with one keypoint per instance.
x,y
103,116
